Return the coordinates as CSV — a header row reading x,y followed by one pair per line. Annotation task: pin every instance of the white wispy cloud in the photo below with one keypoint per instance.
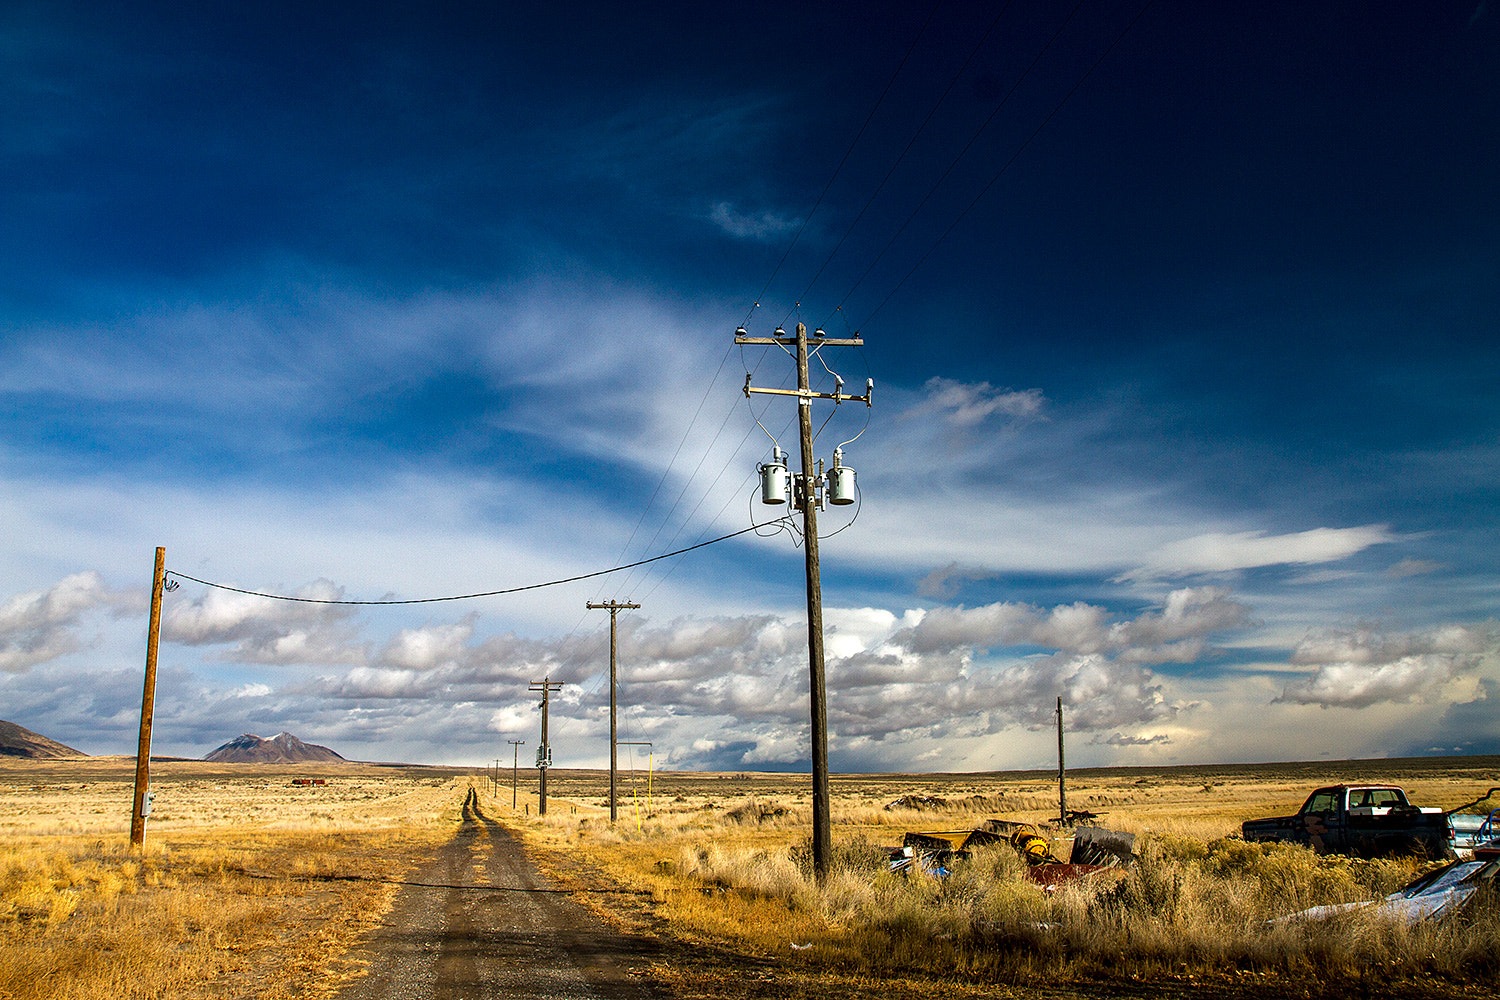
x,y
1413,567
969,404
764,225
1225,552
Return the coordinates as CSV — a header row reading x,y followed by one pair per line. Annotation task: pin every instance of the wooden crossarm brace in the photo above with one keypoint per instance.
x,y
812,342
837,397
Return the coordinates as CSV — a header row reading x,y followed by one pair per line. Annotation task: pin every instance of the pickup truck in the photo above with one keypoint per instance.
x,y
1366,821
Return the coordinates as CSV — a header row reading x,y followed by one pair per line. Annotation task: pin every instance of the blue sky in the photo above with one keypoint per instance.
x,y
1182,322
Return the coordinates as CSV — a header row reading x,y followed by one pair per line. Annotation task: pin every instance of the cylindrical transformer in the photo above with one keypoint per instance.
x,y
840,485
773,481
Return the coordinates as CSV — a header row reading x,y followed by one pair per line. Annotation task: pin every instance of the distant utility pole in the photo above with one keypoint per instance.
x,y
495,778
140,808
613,607
515,764
1062,770
808,496
544,752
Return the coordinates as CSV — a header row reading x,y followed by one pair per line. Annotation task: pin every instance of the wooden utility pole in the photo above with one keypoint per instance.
x,y
515,765
1062,770
544,752
613,607
806,497
148,706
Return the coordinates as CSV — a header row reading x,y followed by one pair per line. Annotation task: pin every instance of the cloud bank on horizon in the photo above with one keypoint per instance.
x,y
1185,414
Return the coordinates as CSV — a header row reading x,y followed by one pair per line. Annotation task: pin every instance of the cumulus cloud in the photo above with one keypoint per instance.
x,y
38,626
429,646
377,683
1475,723
955,672
945,674
269,631
1349,685
440,661
1176,633
1363,667
967,697
1225,552
1123,740
738,683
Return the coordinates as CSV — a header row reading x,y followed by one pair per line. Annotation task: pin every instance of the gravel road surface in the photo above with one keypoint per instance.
x,y
485,923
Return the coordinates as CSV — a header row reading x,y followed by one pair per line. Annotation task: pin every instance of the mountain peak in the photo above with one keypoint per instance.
x,y
283,748
18,741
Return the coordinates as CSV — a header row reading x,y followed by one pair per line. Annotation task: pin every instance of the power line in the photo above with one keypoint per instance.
x,y
671,464
688,519
487,593
667,517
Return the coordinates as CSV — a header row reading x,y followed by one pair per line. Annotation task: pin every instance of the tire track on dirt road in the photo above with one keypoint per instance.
x,y
489,924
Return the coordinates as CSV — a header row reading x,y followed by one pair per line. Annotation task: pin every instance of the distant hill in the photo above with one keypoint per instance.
x,y
283,748
18,741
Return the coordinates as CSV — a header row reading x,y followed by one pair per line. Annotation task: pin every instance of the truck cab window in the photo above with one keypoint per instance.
x,y
1322,802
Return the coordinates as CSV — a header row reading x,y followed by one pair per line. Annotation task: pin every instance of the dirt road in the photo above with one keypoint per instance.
x,y
483,922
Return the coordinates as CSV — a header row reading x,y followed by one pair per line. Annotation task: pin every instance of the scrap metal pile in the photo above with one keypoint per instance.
x,y
1459,889
1095,849
1477,830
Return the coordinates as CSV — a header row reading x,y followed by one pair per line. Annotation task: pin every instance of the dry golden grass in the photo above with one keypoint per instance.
x,y
226,900
726,859
229,896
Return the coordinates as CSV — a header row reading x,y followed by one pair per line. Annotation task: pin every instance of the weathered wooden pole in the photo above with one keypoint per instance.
x,y
544,752
613,607
515,762
822,832
1062,771
806,494
148,706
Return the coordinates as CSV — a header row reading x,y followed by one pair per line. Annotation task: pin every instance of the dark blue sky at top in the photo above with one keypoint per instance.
x,y
1274,226
1298,198
1255,255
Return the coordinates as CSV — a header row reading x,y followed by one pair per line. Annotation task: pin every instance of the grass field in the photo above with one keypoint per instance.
x,y
228,899
726,859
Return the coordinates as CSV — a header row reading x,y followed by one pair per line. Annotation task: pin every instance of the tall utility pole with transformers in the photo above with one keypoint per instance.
x,y
810,491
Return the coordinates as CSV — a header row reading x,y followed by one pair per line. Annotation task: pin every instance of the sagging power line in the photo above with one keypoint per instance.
x,y
467,597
